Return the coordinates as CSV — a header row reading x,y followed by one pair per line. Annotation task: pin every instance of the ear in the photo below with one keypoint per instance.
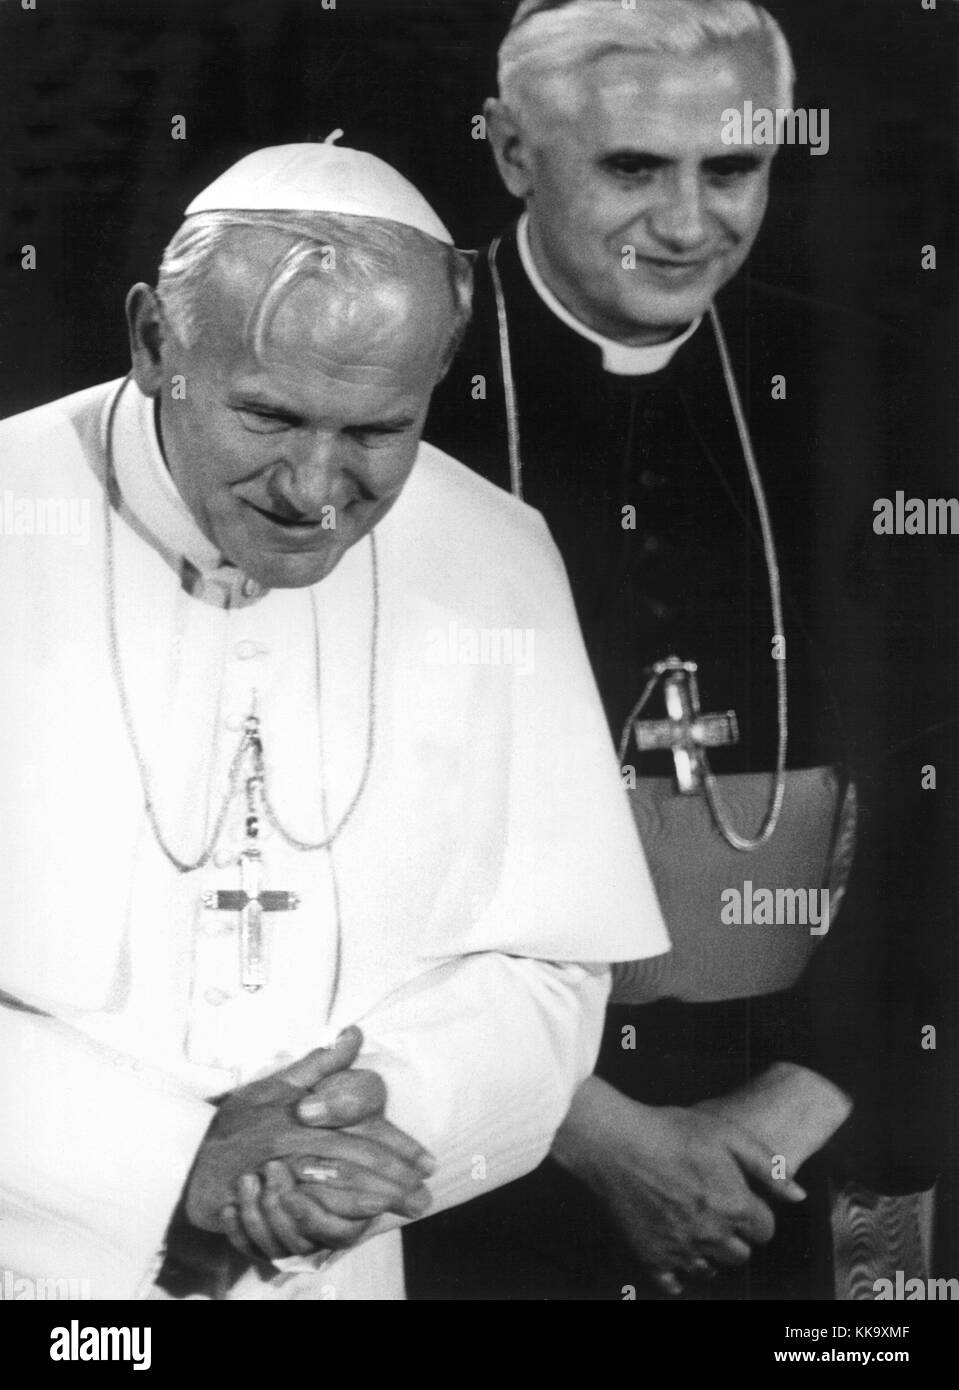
x,y
510,147
148,337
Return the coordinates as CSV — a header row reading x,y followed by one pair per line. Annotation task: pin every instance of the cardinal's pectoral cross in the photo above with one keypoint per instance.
x,y
251,900
687,731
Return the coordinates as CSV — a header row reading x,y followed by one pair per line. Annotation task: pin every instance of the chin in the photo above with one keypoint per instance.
x,y
656,306
294,571
289,570
665,310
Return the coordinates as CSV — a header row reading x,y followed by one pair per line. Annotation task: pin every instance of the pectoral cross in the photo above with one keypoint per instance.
x,y
251,900
687,731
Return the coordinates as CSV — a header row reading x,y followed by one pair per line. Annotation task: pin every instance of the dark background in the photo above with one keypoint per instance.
x,y
95,181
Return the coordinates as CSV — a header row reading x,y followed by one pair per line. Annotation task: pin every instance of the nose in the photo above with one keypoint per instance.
x,y
679,221
307,480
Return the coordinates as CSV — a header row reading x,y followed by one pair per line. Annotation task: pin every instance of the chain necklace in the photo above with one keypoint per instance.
x,y
711,786
250,742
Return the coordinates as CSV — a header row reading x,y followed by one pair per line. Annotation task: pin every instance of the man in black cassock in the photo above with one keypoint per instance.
x,y
603,345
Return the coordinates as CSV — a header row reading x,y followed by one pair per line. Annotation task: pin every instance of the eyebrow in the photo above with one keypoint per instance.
x,y
241,400
251,396
716,163
637,156
394,422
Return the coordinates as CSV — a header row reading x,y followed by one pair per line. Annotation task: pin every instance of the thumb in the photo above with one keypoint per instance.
x,y
765,1167
322,1062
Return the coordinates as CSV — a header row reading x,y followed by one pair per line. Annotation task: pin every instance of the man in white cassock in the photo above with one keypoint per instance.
x,y
298,735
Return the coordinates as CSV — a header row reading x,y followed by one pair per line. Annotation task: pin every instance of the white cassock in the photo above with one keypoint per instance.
x,y
461,917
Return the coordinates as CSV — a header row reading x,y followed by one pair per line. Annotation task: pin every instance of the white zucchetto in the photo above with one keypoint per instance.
x,y
319,177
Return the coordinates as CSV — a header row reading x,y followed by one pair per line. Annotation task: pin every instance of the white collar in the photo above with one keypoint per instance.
x,y
618,358
152,496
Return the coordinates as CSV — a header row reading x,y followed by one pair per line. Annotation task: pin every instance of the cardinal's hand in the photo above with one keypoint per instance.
x,y
676,1181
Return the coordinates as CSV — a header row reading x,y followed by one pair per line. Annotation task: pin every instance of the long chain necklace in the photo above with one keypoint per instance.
x,y
778,785
250,743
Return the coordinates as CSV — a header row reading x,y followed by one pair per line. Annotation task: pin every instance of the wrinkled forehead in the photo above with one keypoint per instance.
x,y
328,316
670,97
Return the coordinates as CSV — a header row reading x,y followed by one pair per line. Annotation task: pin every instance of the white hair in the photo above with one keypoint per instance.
x,y
549,40
365,249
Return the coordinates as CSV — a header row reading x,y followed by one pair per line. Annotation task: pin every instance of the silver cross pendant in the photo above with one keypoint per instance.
x,y
687,731
251,900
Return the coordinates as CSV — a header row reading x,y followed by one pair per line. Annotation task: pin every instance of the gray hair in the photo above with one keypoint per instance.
x,y
365,249
550,39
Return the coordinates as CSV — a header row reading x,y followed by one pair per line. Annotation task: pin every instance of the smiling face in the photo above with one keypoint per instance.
x,y
289,454
638,161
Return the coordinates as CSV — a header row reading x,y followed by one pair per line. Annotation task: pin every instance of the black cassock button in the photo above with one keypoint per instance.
x,y
649,480
652,545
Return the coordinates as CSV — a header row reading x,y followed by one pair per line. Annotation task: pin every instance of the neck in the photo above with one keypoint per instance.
x,y
158,426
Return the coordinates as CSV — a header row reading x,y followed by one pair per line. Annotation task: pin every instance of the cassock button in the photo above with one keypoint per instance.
x,y
648,479
651,545
662,612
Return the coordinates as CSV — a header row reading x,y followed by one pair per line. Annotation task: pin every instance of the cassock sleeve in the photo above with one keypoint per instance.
x,y
481,1058
94,1152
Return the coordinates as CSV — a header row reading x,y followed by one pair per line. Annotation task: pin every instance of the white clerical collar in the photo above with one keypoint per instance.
x,y
618,358
150,492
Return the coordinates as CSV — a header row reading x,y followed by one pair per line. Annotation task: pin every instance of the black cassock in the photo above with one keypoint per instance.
x,y
691,579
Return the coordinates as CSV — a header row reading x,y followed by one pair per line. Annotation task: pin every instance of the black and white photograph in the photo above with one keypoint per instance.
x,y
479,629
